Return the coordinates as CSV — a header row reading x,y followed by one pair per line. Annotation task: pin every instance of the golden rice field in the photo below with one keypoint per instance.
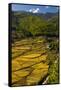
x,y
29,57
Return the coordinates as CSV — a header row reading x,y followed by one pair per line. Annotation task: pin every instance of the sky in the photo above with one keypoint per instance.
x,y
35,8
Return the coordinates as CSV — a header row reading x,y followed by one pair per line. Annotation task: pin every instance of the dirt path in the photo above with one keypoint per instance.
x,y
45,82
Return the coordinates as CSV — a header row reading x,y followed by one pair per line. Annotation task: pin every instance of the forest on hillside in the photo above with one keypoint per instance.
x,y
25,24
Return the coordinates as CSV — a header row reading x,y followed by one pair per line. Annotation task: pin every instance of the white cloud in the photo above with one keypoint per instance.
x,y
47,7
34,10
30,10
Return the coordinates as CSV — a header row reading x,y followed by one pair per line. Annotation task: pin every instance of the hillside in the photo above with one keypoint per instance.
x,y
26,24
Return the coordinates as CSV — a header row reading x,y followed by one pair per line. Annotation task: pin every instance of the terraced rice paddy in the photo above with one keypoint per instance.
x,y
29,57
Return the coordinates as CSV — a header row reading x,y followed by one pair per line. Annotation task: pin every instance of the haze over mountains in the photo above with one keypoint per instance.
x,y
46,15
